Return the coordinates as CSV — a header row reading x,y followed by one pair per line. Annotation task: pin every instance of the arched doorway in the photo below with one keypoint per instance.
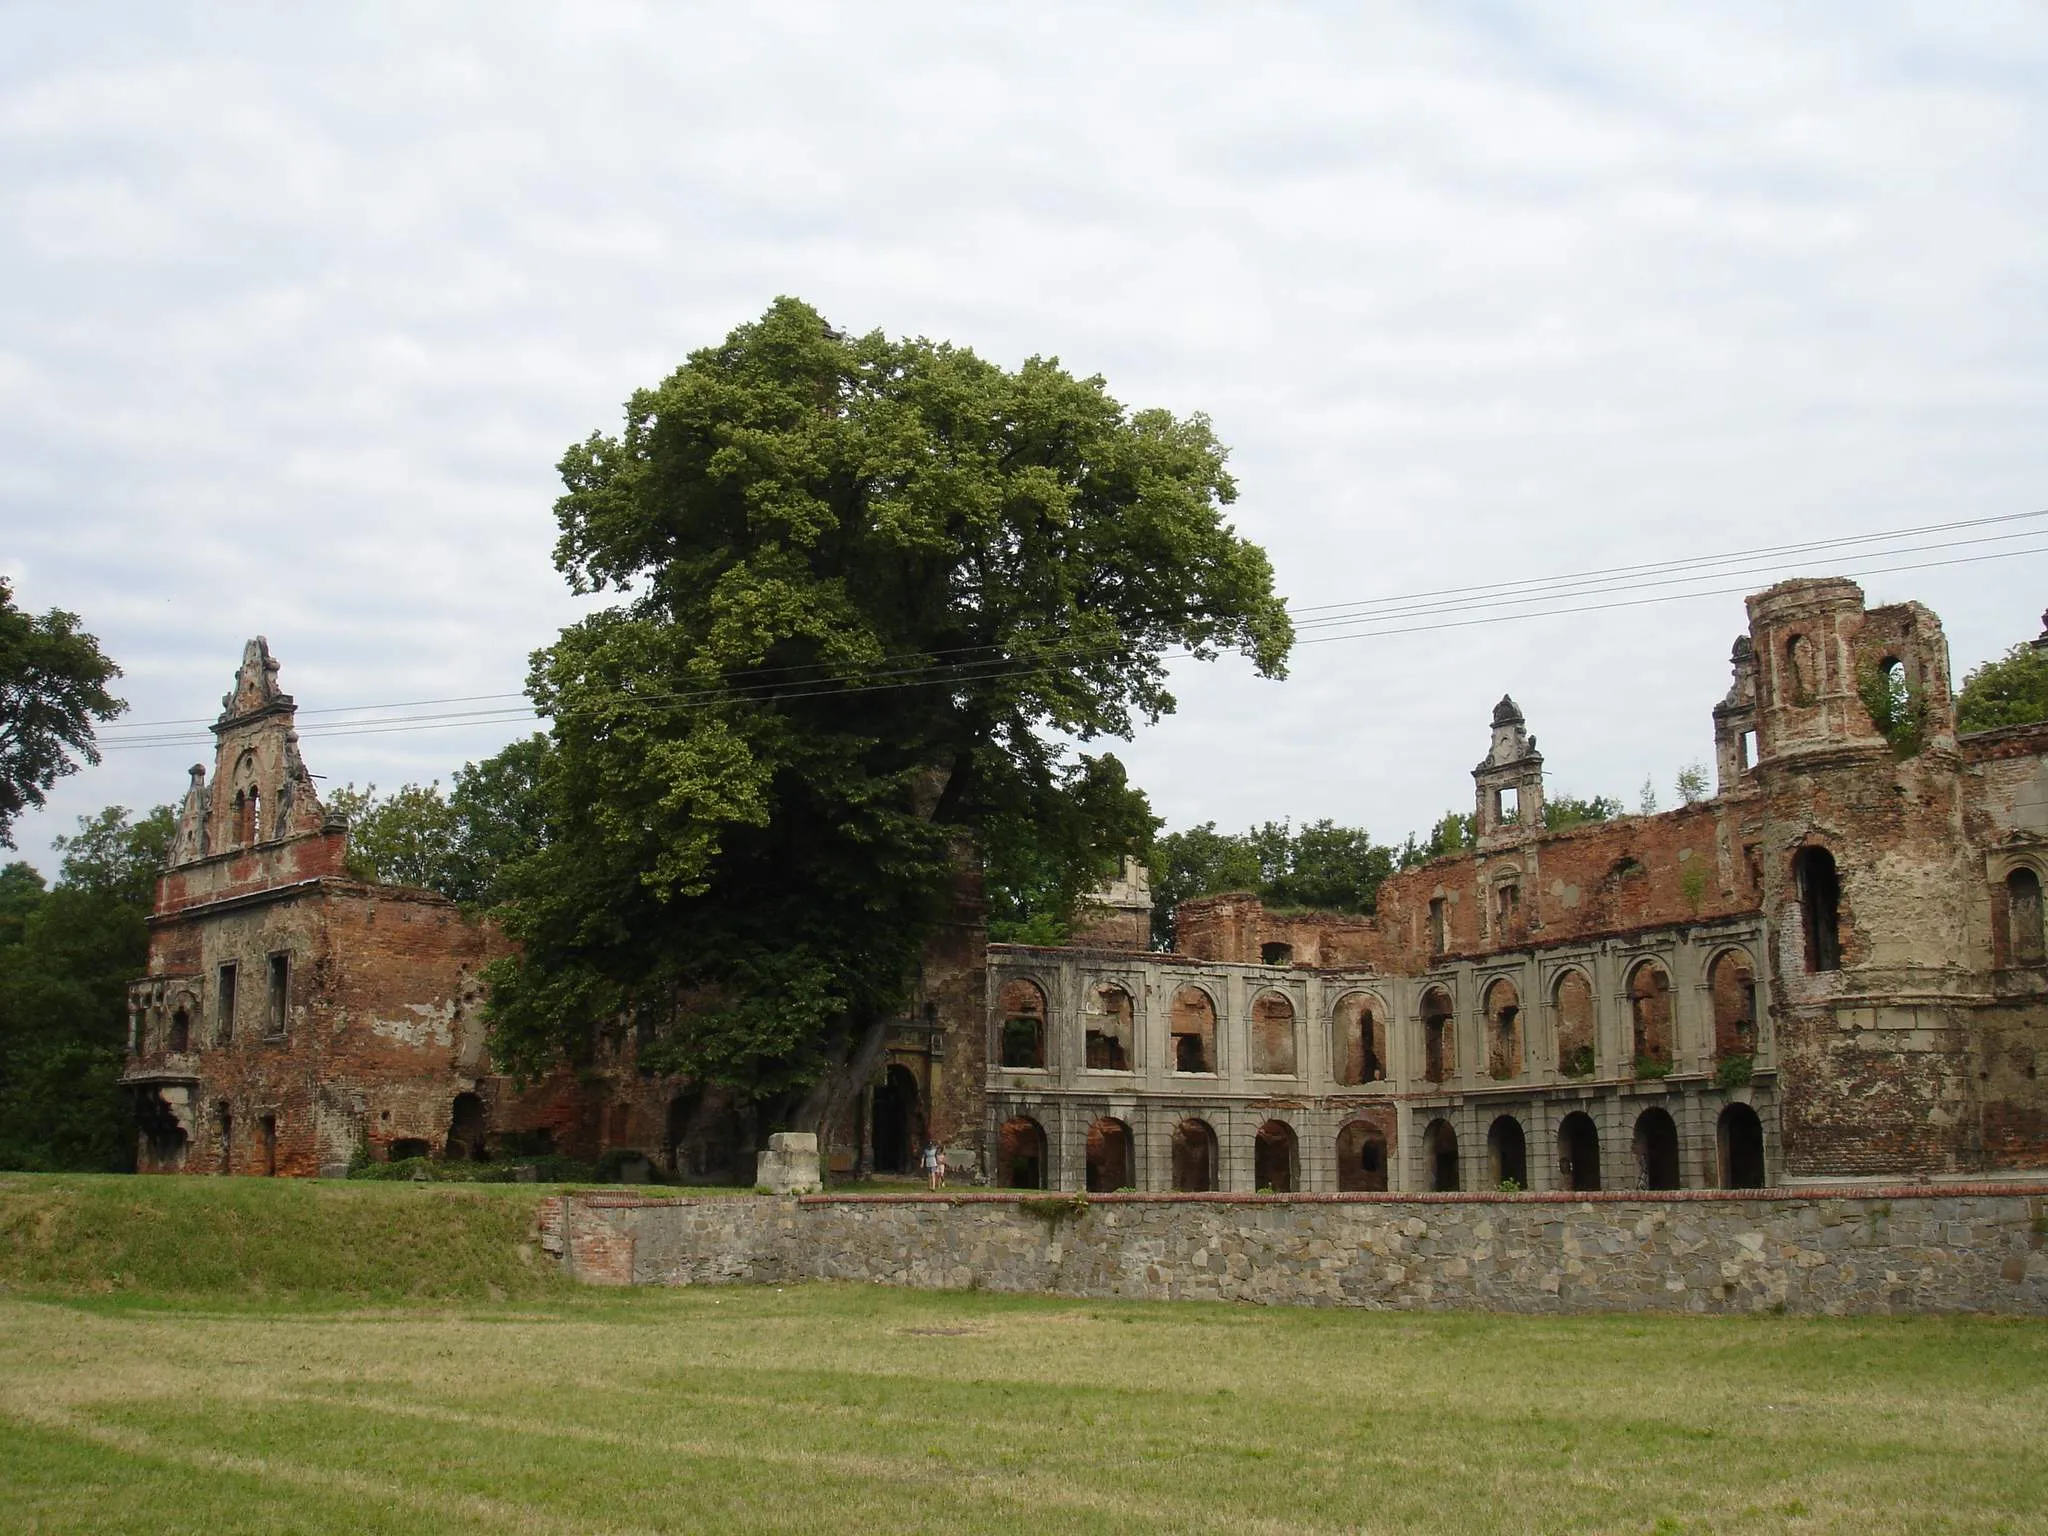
x,y
1578,1153
1361,1158
1109,1157
898,1121
1194,1156
465,1140
1440,1149
1020,1153
1740,1141
1274,1164
1656,1148
1507,1154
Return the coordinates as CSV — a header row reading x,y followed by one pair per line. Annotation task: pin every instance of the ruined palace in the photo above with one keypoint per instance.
x,y
1833,969
295,1018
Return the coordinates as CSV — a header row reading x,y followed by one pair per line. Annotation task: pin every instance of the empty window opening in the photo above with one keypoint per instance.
x,y
466,1130
1649,1001
1020,1153
1193,1026
1274,1166
2023,916
280,994
1272,1035
1440,1150
1820,900
269,1124
1108,1030
1109,1157
410,1146
1022,1006
164,1144
1507,908
1358,1042
1578,1153
1802,669
1740,1142
1572,1003
1745,751
1655,1145
1507,1155
898,1121
1361,1158
704,1132
1194,1156
1503,1030
225,1117
1507,805
181,1030
1437,937
1439,1052
1731,985
1276,954
224,1003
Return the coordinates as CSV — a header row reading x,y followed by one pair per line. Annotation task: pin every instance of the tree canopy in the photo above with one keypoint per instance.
x,y
67,954
53,687
869,588
1321,866
457,844
2013,690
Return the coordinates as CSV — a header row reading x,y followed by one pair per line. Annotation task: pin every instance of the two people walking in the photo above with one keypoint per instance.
x,y
935,1164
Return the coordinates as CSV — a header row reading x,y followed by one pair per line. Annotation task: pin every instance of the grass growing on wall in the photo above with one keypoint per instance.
x,y
847,1408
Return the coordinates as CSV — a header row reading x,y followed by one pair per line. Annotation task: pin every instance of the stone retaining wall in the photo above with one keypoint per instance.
x,y
1971,1249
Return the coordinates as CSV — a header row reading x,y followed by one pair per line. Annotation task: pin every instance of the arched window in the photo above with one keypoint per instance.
x,y
1022,1006
1109,1157
1740,1138
1503,1029
1194,1156
1440,1150
1802,669
1578,1153
1656,1148
465,1138
1649,1001
1507,1154
1193,1027
1820,898
1439,1048
1108,1029
1361,1158
1572,1002
1358,1040
1273,1158
1020,1153
181,1030
2023,916
1272,1035
1731,984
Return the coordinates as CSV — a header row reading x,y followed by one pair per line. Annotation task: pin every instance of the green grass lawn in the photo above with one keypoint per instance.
x,y
360,1408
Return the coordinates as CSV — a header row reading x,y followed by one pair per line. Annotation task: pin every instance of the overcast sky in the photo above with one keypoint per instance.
x,y
300,305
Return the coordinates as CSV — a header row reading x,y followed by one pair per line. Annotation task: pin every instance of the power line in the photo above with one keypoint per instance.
x,y
1481,595
959,673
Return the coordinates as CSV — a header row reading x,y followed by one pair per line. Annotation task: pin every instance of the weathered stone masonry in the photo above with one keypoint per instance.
x,y
1833,969
1974,1249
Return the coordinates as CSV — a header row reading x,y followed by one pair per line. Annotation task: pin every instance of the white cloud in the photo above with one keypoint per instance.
x,y
298,308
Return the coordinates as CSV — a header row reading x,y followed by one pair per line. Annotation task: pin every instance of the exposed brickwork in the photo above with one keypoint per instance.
x,y
1591,993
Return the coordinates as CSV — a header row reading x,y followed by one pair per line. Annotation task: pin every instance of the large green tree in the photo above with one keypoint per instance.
x,y
459,843
2013,690
872,586
53,687
1320,865
67,955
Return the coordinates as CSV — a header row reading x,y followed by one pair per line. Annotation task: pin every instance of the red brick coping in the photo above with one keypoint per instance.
x,y
620,1200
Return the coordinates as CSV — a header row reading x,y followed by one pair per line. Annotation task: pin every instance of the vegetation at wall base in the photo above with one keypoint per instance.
x,y
1734,1071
